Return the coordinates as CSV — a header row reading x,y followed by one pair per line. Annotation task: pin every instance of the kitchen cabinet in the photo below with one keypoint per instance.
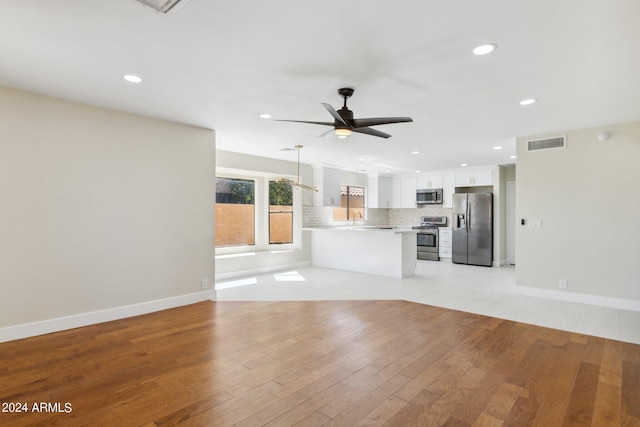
x,y
474,178
379,192
329,181
430,181
444,245
408,192
395,192
403,193
448,188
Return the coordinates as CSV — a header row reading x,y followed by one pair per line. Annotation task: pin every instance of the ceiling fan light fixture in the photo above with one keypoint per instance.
x,y
343,132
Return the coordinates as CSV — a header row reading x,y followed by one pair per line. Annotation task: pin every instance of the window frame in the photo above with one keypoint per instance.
x,y
261,217
272,212
254,204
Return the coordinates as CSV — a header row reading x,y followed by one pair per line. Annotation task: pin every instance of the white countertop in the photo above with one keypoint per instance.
x,y
361,228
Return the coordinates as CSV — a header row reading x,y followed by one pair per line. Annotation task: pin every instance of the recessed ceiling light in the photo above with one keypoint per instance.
x,y
483,49
497,147
265,116
528,101
415,152
131,78
513,157
418,171
463,164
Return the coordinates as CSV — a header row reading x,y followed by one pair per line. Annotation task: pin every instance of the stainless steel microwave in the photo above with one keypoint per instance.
x,y
429,196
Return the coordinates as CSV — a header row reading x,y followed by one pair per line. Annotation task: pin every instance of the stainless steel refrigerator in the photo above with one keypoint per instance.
x,y
473,228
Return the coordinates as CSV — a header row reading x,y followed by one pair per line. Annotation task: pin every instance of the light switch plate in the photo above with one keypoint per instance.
x,y
534,223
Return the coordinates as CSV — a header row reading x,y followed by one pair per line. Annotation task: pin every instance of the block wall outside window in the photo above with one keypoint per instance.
x,y
235,212
280,213
351,204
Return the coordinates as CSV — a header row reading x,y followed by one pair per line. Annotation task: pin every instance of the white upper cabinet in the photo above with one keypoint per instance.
x,y
431,181
379,192
404,192
396,185
472,178
329,181
448,188
408,192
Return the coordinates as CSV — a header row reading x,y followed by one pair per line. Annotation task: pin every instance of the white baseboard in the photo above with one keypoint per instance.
x,y
261,270
619,303
26,330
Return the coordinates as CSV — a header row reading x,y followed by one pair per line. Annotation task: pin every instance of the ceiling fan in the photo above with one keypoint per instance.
x,y
344,123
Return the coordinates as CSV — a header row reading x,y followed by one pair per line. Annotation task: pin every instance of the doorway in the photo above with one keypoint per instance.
x,y
511,222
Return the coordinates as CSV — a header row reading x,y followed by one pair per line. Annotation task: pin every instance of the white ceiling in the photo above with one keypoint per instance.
x,y
218,64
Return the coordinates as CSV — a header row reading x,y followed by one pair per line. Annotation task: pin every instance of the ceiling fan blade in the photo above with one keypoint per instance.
x,y
334,113
370,131
323,134
304,121
373,121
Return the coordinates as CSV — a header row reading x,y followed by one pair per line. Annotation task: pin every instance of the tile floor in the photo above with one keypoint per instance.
x,y
481,290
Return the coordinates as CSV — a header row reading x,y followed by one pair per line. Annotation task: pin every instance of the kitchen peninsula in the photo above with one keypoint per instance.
x,y
383,251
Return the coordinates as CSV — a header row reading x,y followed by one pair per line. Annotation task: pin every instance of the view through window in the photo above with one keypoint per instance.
x,y
280,212
235,212
351,204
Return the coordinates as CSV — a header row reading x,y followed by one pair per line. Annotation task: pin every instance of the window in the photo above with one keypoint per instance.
x,y
351,204
235,212
255,212
280,213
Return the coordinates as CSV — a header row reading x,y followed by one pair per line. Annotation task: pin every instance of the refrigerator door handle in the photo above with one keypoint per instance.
x,y
468,216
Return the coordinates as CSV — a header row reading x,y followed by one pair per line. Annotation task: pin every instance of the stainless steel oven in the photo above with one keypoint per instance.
x,y
428,237
428,244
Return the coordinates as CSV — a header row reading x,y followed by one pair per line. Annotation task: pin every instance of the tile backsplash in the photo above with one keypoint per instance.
x,y
410,217
321,216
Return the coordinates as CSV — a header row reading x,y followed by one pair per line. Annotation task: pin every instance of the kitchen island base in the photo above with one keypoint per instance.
x,y
384,252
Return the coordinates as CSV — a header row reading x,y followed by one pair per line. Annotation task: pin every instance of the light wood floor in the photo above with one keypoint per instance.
x,y
334,363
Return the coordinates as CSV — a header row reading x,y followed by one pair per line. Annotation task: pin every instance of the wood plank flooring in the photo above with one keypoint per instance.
x,y
333,363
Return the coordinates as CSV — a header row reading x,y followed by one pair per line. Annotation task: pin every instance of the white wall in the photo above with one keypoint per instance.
x,y
99,209
588,198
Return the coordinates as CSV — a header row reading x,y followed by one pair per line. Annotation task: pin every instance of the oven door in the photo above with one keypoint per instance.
x,y
427,240
428,245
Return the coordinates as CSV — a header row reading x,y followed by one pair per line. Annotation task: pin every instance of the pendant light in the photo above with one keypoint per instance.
x,y
298,183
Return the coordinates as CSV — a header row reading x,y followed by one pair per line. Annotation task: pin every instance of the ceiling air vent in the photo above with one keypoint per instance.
x,y
164,6
547,143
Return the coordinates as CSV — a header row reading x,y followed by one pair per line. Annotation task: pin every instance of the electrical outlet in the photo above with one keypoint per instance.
x,y
204,284
562,284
